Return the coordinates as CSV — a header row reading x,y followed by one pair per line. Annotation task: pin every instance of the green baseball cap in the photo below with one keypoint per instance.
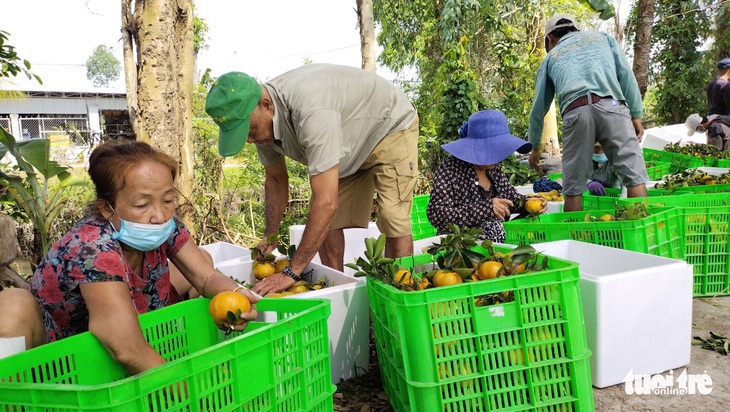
x,y
230,103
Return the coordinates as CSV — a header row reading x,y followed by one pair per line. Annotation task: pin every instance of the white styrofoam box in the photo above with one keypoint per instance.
x,y
637,309
658,137
524,189
715,171
11,346
354,242
419,246
552,207
349,323
224,251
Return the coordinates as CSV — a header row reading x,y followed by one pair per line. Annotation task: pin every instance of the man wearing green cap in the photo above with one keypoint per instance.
x,y
357,134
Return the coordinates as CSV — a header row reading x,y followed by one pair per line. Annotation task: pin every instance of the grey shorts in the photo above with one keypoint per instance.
x,y
607,122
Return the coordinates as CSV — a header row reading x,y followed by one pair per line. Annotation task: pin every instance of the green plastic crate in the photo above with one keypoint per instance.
x,y
438,351
660,233
279,366
421,227
657,170
706,218
723,163
593,202
677,161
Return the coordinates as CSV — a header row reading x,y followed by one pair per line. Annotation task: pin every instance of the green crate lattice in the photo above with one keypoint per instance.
x,y
421,227
658,234
278,366
706,217
439,351
677,161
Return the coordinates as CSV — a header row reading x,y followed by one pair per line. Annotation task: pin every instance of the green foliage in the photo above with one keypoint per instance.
x,y
721,46
102,67
28,183
200,34
518,172
682,70
10,63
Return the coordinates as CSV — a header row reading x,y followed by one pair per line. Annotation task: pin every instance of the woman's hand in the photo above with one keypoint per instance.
x,y
248,316
501,208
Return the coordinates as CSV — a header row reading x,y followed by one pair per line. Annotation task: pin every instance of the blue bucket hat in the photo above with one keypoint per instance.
x,y
486,140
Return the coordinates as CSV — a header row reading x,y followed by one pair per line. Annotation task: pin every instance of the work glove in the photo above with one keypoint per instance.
x,y
596,188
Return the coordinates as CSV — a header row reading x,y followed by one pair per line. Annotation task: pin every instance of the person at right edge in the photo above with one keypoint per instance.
x,y
718,107
600,102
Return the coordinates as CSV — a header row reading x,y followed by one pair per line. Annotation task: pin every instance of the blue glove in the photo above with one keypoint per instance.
x,y
596,188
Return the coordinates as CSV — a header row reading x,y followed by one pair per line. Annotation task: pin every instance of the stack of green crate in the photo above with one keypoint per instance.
x,y
421,227
677,161
656,171
608,201
659,234
279,366
706,218
440,350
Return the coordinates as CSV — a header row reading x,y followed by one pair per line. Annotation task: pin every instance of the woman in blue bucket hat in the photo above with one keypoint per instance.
x,y
469,188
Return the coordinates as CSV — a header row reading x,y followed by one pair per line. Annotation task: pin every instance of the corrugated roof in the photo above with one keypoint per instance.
x,y
60,79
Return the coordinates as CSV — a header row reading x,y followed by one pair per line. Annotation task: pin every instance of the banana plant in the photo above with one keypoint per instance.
x,y
28,183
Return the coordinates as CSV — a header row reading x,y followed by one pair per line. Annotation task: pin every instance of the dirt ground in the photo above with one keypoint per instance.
x,y
365,393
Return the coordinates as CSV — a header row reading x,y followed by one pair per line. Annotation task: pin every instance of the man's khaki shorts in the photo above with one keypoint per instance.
x,y
391,171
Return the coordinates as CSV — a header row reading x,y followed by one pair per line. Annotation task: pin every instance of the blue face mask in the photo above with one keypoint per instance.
x,y
600,157
142,236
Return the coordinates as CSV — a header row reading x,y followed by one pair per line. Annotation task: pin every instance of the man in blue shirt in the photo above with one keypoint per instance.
x,y
600,102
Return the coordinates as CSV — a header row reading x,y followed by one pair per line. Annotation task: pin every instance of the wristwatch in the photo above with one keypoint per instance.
x,y
289,272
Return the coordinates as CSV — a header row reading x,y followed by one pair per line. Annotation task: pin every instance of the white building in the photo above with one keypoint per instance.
x,y
66,108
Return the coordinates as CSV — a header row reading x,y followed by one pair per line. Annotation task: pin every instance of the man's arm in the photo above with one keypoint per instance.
x,y
322,208
276,194
627,80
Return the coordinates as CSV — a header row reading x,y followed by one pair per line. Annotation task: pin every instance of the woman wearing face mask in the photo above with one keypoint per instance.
x,y
113,265
603,174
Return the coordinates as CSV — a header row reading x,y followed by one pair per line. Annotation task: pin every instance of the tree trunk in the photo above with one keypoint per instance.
x,y
549,143
642,43
158,65
367,33
8,254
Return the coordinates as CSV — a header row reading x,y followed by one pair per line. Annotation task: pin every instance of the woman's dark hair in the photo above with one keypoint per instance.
x,y
110,161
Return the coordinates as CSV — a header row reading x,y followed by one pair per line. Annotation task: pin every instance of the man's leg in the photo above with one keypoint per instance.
x,y
399,246
637,191
573,203
332,251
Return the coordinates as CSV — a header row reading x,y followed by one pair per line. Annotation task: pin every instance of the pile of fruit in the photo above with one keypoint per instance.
x,y
454,263
691,177
267,265
632,211
551,196
697,150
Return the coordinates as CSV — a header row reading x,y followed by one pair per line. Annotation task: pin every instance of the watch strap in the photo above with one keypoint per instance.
x,y
289,272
